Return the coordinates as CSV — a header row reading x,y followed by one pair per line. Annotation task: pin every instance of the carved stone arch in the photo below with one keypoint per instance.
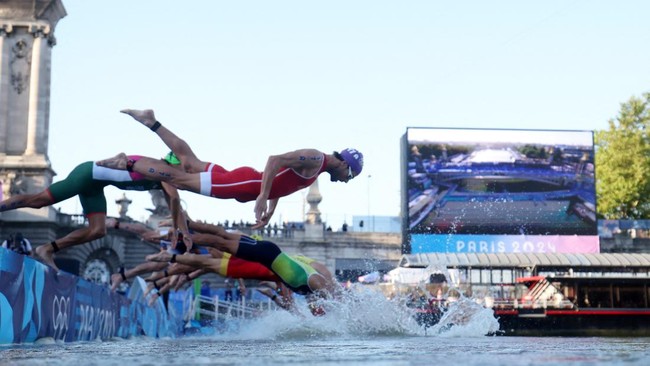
x,y
105,247
109,250
99,266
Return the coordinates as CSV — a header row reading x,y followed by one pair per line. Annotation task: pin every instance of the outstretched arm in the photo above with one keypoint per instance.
x,y
304,161
142,230
190,277
202,227
215,236
178,216
266,217
285,300
242,287
200,261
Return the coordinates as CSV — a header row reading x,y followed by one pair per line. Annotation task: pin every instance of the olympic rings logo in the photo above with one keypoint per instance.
x,y
60,315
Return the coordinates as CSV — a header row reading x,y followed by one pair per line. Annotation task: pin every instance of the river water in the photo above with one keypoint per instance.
x,y
366,329
339,350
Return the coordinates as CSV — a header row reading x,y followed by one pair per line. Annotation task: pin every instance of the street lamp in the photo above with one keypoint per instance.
x,y
368,218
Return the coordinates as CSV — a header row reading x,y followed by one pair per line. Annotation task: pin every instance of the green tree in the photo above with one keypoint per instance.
x,y
623,163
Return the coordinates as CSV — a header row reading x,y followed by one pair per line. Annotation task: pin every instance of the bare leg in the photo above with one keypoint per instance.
x,y
142,268
161,286
37,200
153,298
132,227
116,162
171,270
118,278
158,285
192,276
190,162
157,170
163,289
145,116
159,257
189,261
96,229
45,255
215,253
223,241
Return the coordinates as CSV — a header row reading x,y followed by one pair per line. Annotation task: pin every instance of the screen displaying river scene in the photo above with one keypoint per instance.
x,y
499,183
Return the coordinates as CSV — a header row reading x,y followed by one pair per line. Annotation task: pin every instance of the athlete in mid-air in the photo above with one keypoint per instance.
x,y
87,180
283,174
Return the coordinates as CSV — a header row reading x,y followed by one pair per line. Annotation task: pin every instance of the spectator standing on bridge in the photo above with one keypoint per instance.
x,y
205,289
228,291
18,243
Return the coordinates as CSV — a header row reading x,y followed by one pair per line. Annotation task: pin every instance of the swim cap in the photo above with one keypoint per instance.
x,y
171,158
354,159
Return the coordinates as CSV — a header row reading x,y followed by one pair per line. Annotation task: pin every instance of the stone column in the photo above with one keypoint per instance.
x,y
34,113
26,36
314,198
5,31
123,206
313,223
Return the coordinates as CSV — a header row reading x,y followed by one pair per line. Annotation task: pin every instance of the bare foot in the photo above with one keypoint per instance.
x,y
45,255
153,299
159,257
116,162
155,276
145,116
150,287
181,281
116,279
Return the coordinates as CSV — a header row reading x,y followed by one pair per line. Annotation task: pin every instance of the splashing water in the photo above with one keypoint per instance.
x,y
361,312
466,318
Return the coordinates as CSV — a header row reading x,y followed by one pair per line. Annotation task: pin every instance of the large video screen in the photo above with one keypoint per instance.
x,y
489,190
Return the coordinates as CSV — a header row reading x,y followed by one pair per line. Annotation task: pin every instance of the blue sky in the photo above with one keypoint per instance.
x,y
241,80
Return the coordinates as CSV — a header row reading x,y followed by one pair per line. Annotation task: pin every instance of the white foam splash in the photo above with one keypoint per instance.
x,y
466,318
362,312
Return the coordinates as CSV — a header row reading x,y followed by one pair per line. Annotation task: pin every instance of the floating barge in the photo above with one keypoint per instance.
x,y
548,294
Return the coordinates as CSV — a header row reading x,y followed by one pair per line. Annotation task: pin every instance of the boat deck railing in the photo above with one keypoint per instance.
x,y
515,304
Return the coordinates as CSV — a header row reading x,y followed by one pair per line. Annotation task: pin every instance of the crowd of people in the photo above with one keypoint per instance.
x,y
189,249
18,243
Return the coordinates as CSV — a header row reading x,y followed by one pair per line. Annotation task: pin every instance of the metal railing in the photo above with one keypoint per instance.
x,y
212,308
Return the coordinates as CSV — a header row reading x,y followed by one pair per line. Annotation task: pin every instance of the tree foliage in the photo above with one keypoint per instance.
x,y
623,163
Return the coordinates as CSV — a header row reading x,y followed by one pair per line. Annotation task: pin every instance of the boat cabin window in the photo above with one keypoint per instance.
x,y
595,297
475,276
496,276
508,276
629,297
